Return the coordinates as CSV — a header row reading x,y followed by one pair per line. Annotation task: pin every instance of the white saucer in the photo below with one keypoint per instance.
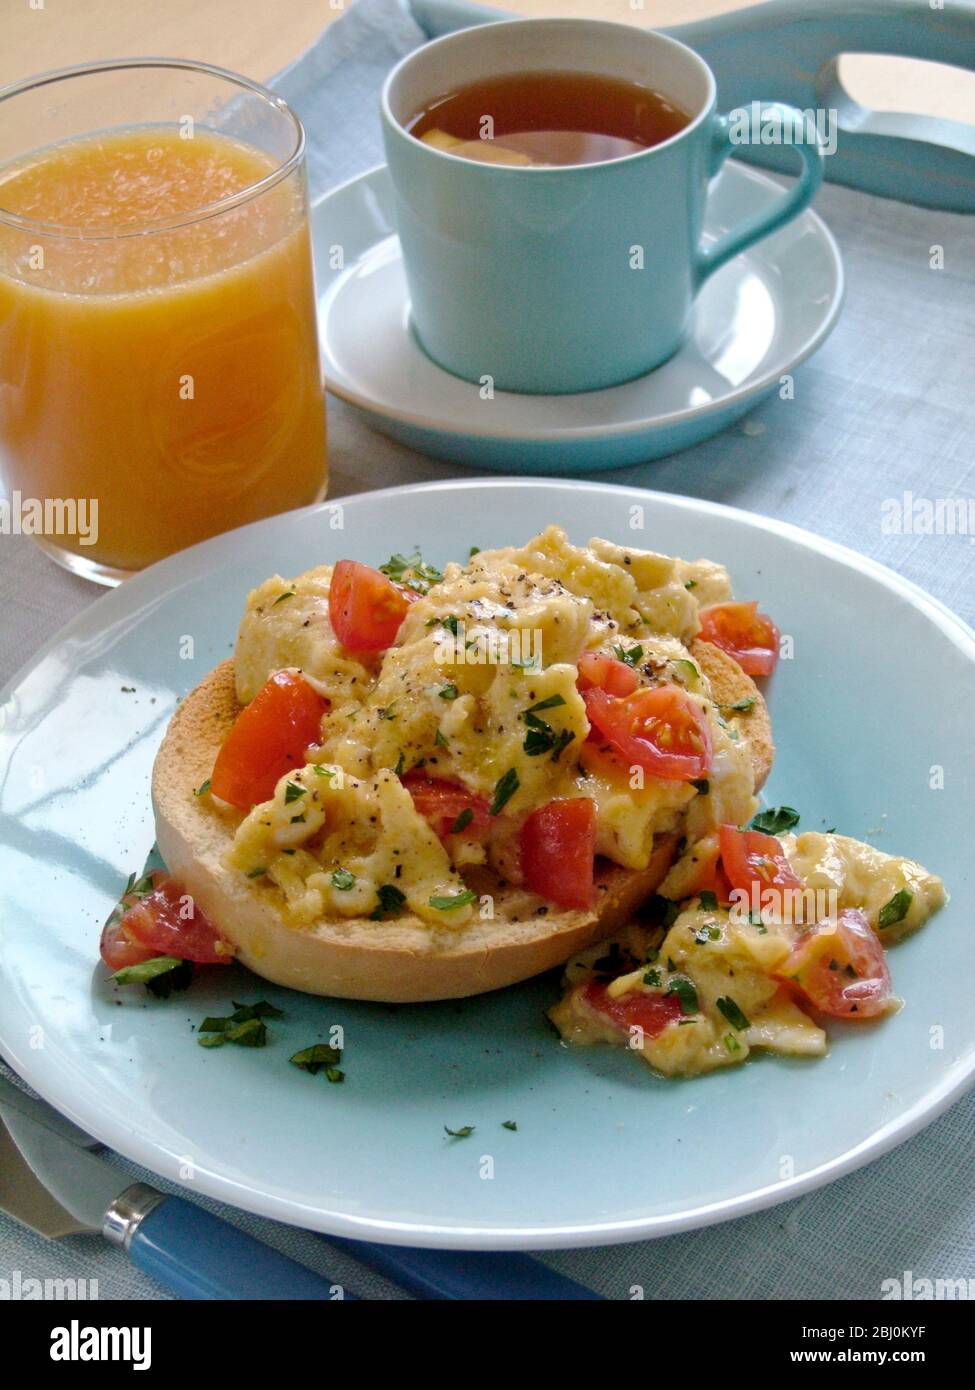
x,y
754,321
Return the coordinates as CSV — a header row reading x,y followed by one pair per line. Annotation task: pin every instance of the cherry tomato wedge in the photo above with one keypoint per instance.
x,y
118,949
444,804
615,677
651,1012
745,634
756,864
558,852
658,728
839,967
161,922
268,739
365,608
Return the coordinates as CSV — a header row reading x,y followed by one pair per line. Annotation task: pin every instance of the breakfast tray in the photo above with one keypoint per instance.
x,y
882,419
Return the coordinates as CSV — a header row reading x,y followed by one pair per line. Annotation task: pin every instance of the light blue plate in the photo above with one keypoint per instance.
x,y
880,690
753,323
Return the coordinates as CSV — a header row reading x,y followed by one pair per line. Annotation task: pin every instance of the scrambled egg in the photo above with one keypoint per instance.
x,y
490,640
724,966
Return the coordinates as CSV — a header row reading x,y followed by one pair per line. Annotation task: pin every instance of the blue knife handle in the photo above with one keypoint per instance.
x,y
466,1274
198,1256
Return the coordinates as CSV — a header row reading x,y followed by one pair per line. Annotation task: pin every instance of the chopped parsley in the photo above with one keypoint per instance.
x,y
686,993
292,792
411,571
652,978
390,900
134,888
741,706
202,789
464,1132
732,1012
462,821
775,820
262,1009
447,904
708,933
258,872
343,880
400,765
732,1043
632,656
146,970
248,1032
448,691
288,593
245,1026
896,909
319,1057
440,741
509,1124
542,738
708,900
504,790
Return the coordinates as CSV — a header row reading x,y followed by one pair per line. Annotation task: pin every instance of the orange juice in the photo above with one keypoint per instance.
x,y
158,361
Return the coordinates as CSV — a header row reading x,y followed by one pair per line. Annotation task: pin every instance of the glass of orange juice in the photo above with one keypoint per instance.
x,y
159,368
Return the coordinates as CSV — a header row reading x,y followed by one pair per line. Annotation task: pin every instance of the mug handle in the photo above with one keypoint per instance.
x,y
807,144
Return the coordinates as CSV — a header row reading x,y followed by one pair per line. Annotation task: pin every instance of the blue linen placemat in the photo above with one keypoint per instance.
x,y
885,408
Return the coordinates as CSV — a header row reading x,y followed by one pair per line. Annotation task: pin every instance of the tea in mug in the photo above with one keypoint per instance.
x,y
548,118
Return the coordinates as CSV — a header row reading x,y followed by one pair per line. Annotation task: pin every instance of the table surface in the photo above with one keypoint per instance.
x,y
250,37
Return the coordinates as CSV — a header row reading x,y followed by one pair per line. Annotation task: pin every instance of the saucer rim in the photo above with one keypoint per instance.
x,y
736,399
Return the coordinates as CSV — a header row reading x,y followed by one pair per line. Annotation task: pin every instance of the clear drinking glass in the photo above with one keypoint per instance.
x,y
160,378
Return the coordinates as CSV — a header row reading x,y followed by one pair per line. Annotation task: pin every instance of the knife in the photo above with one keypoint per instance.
x,y
51,1181
166,1235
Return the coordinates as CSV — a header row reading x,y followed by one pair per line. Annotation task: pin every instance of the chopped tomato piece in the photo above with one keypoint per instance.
x,y
659,728
268,739
745,634
162,921
839,967
445,804
615,677
558,852
635,1009
365,608
756,864
118,949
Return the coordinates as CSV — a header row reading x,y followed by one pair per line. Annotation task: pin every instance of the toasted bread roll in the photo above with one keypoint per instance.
x,y
399,960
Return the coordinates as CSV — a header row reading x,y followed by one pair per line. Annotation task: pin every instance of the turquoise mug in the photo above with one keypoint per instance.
x,y
575,277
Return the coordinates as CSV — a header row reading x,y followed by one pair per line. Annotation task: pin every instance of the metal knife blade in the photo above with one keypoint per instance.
x,y
83,1183
27,1200
43,1114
